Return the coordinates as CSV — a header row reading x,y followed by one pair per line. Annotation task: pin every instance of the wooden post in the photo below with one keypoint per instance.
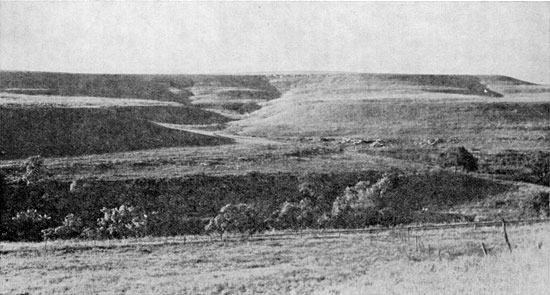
x,y
485,252
506,235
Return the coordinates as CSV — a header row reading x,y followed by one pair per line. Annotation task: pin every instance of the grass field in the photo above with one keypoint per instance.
x,y
392,262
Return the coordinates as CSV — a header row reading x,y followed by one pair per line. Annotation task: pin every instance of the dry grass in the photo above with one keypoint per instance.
x,y
449,262
525,271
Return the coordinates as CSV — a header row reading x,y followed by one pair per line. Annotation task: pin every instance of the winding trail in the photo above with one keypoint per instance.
x,y
219,133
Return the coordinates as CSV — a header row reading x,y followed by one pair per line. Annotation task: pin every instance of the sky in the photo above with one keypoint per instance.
x,y
505,38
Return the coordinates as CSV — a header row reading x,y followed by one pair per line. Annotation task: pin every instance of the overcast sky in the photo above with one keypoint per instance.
x,y
511,38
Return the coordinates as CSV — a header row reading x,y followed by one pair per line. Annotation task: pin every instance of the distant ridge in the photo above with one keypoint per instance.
x,y
498,79
157,87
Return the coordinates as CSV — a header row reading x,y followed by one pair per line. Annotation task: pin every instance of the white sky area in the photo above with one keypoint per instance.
x,y
506,38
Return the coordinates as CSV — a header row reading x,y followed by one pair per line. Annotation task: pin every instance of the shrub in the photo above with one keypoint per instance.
x,y
540,168
537,205
28,225
34,170
288,216
297,215
241,218
72,227
366,204
122,222
458,157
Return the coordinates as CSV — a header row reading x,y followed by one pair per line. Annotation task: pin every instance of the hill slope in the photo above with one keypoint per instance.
x,y
77,131
398,106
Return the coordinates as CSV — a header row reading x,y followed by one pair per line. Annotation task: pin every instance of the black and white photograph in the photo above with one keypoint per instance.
x,y
275,147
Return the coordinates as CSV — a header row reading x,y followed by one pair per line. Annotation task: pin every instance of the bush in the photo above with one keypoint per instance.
x,y
28,225
72,227
287,216
34,170
458,157
297,215
537,205
540,168
241,218
122,222
366,204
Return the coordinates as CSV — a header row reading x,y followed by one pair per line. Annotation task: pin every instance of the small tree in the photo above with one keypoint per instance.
x,y
366,204
241,218
122,222
357,206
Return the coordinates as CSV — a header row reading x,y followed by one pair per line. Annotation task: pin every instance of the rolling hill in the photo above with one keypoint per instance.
x,y
401,107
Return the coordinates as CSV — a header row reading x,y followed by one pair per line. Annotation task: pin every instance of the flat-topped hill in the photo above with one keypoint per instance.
x,y
205,89
157,87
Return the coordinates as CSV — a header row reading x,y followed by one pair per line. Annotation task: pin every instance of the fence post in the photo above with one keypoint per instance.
x,y
485,252
506,235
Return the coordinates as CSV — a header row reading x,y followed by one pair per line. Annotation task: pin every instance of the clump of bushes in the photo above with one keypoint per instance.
x,y
297,215
239,218
458,157
116,223
122,222
366,204
28,225
72,227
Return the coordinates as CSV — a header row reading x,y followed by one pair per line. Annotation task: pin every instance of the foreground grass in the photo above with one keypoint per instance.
x,y
393,262
524,271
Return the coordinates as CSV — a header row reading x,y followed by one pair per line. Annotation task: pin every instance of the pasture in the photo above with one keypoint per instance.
x,y
449,261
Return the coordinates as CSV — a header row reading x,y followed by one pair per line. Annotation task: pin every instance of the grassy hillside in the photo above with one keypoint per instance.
x,y
76,131
405,107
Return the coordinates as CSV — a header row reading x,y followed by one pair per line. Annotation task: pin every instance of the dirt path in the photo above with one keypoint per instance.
x,y
219,133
